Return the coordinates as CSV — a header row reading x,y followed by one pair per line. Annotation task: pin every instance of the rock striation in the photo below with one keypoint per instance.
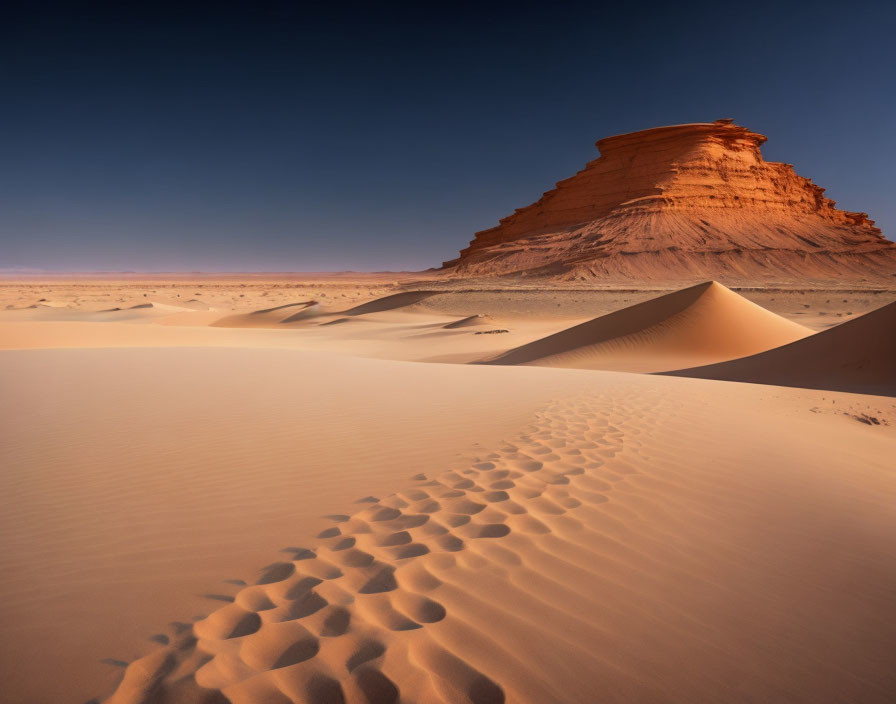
x,y
684,202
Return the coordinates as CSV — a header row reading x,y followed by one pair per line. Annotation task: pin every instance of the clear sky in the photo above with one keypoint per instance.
x,y
278,136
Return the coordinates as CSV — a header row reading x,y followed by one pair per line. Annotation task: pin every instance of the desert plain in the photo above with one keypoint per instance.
x,y
468,353
402,487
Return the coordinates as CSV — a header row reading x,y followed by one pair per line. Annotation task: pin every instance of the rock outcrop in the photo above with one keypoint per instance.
x,y
681,203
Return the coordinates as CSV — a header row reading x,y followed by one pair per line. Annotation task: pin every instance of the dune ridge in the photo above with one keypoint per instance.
x,y
469,321
302,312
277,316
858,356
134,307
707,321
394,301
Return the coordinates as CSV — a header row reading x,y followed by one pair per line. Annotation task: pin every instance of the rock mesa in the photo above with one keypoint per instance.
x,y
680,203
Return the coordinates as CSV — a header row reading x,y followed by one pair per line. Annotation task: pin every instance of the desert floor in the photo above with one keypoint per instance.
x,y
397,488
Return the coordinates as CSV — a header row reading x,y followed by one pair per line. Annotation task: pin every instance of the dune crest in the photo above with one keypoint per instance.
x,y
138,306
469,321
858,356
270,317
707,321
392,302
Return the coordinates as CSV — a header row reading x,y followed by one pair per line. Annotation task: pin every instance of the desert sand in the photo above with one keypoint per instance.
x,y
707,321
856,356
291,489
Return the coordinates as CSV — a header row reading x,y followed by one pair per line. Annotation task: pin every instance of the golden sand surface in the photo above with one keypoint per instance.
x,y
380,488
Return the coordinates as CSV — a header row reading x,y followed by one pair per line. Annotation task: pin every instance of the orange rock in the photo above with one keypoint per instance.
x,y
681,203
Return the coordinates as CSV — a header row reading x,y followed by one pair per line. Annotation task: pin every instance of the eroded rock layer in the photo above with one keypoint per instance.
x,y
678,203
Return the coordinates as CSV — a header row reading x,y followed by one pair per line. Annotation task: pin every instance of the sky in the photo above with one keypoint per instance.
x,y
274,136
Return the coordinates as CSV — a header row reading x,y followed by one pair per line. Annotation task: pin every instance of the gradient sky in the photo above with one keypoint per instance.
x,y
290,137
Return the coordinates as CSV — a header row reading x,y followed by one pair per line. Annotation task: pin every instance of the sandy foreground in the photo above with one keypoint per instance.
x,y
334,489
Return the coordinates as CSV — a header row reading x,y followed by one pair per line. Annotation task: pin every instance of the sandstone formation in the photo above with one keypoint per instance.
x,y
678,203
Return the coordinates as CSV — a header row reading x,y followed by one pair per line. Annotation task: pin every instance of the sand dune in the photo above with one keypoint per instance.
x,y
305,313
196,304
140,312
138,306
135,481
858,356
389,303
704,322
301,312
46,304
151,310
388,335
286,306
270,317
614,548
469,321
338,321
489,533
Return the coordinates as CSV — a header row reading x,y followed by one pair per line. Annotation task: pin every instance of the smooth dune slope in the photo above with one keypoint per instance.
x,y
858,356
701,324
136,481
392,302
468,322
300,314
270,317
645,539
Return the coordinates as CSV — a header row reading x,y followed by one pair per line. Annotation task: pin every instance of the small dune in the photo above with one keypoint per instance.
x,y
44,312
270,317
139,306
265,311
196,304
388,303
857,356
44,303
702,324
469,321
308,311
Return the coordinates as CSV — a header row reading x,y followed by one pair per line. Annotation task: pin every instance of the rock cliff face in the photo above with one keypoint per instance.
x,y
683,202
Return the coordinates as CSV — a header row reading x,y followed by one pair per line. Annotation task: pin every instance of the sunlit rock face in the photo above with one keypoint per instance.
x,y
678,203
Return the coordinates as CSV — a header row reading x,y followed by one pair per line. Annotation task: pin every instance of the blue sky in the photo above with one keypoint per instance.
x,y
282,136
